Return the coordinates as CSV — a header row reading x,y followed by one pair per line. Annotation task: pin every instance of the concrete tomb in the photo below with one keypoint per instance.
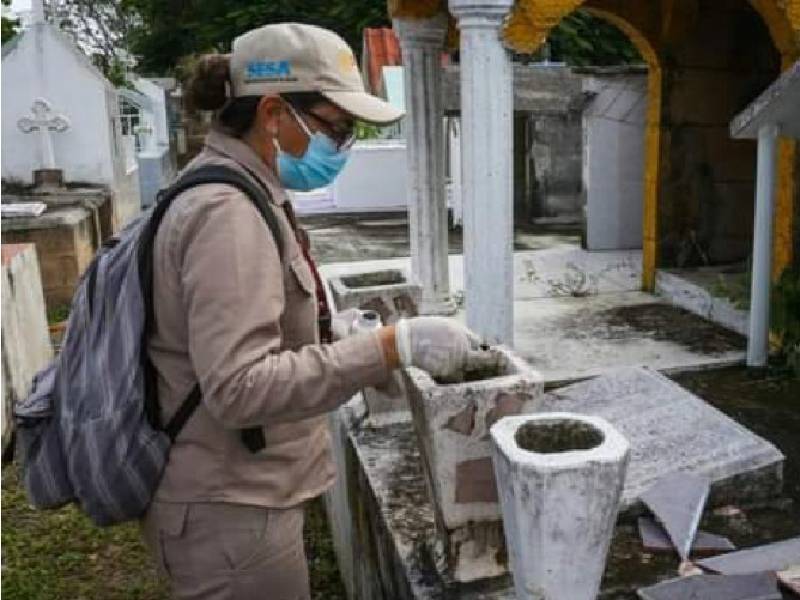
x,y
415,511
66,234
671,430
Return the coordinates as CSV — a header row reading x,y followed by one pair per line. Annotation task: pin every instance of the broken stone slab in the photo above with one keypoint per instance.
x,y
753,586
778,556
559,476
677,501
388,292
672,430
452,424
655,539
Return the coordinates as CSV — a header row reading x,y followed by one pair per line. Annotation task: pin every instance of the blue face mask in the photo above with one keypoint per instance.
x,y
319,165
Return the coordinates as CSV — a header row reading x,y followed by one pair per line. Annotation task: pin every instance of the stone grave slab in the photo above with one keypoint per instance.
x,y
671,431
677,501
778,556
755,586
655,539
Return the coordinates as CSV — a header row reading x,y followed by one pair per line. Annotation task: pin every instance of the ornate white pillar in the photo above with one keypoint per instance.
x,y
486,160
422,43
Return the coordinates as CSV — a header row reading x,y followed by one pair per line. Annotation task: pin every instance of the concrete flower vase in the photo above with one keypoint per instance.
x,y
392,296
452,422
559,478
389,292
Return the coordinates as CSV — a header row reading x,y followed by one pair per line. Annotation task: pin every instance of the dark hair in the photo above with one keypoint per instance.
x,y
208,87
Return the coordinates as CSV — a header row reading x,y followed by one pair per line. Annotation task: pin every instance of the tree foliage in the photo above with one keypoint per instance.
x,y
168,30
9,26
582,39
101,28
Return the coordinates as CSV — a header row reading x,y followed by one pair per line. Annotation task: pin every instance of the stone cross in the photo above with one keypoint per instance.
x,y
44,120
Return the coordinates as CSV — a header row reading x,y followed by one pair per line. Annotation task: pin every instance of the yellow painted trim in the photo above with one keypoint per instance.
x,y
785,197
530,21
782,18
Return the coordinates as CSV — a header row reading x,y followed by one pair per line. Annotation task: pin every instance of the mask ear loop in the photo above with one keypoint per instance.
x,y
300,121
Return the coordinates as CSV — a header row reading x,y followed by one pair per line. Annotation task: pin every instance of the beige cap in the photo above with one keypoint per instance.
x,y
292,57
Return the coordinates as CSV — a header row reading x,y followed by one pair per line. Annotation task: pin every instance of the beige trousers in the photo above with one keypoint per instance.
x,y
215,551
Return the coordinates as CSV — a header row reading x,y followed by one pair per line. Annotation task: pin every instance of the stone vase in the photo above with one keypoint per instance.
x,y
392,295
389,292
559,479
452,422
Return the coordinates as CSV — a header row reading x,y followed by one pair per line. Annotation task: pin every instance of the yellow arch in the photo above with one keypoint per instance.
x,y
531,21
529,29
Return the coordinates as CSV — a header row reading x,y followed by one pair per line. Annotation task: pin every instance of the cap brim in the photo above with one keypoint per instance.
x,y
365,107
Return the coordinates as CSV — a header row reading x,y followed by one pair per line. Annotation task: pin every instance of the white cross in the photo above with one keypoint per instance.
x,y
44,121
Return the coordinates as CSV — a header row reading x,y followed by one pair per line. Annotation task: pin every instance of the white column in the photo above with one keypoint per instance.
x,y
758,340
422,43
487,167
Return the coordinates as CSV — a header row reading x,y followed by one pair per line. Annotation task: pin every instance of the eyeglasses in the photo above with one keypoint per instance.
x,y
343,136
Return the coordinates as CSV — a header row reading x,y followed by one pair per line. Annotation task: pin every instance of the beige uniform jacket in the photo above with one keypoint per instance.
x,y
232,317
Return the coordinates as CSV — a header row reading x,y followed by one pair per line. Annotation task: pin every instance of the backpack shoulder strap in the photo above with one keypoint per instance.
x,y
259,196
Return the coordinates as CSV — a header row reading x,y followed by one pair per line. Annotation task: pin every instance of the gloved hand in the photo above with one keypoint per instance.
x,y
442,347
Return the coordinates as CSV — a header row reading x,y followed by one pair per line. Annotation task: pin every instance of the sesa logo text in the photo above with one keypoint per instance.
x,y
269,70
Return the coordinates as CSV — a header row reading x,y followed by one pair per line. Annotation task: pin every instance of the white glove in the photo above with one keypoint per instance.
x,y
440,346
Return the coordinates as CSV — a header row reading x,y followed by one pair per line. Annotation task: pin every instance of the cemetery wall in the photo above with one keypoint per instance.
x,y
613,166
74,89
553,144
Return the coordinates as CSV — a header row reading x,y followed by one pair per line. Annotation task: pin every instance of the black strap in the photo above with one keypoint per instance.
x,y
185,411
259,195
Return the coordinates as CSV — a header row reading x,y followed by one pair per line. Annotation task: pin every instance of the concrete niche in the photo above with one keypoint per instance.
x,y
452,421
559,478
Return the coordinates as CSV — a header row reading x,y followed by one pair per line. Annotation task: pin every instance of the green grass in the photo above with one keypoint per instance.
x,y
57,314
59,554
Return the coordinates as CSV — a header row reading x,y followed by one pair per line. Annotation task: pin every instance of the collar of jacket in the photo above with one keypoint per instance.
x,y
235,149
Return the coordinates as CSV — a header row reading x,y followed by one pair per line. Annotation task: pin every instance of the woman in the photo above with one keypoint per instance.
x,y
241,321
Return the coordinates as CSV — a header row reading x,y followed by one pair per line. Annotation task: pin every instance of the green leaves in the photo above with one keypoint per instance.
x,y
785,316
582,39
9,26
169,30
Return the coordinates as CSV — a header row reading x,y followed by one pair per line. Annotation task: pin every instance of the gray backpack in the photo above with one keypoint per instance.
x,y
90,431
